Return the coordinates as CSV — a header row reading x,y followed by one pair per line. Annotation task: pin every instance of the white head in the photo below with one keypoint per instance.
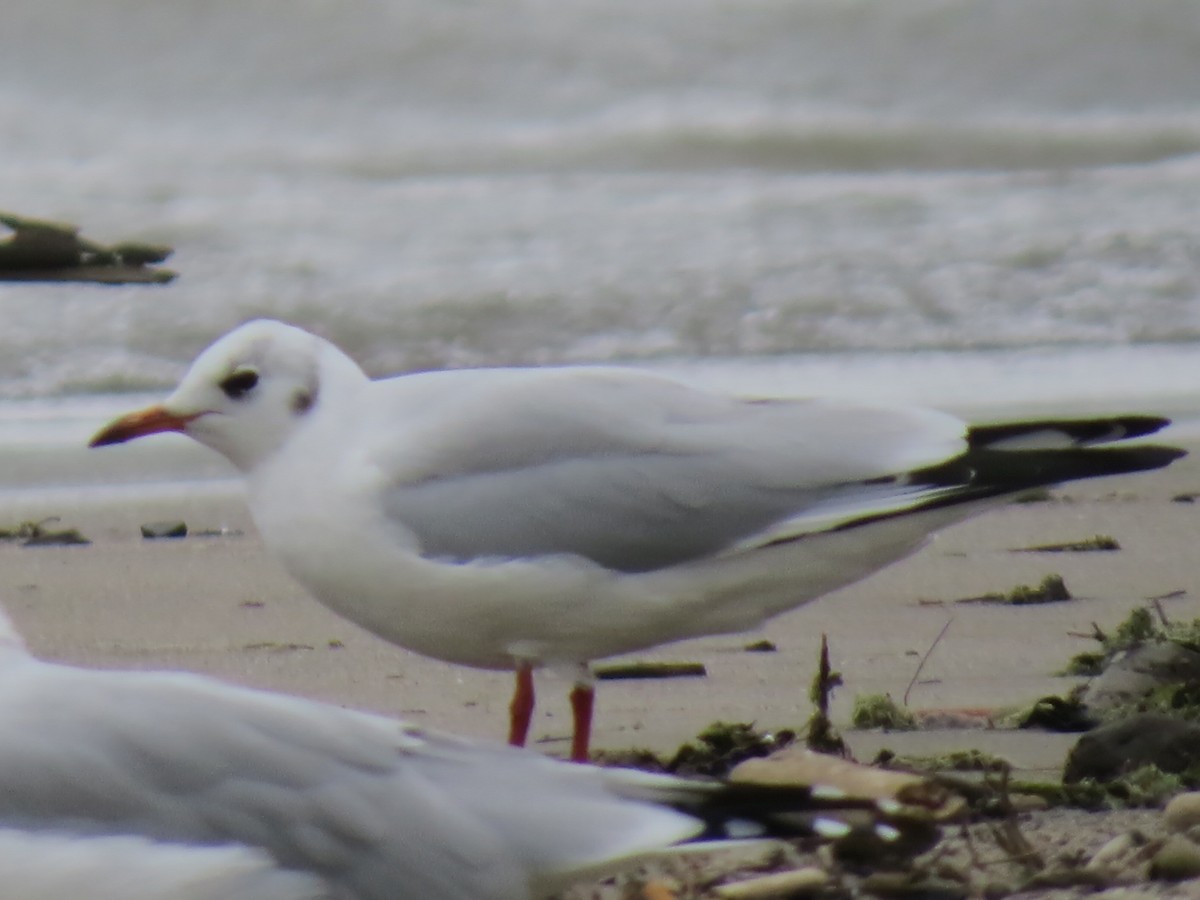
x,y
247,393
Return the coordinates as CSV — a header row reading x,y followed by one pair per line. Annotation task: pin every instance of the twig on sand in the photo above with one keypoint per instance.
x,y
925,659
1162,616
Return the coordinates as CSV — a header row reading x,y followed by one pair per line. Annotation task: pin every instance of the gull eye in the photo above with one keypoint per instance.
x,y
239,384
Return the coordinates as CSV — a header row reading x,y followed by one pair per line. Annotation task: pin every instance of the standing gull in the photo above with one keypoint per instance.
x,y
170,786
516,518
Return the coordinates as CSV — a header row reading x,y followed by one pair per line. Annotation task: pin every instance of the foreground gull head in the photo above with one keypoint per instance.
x,y
167,786
516,518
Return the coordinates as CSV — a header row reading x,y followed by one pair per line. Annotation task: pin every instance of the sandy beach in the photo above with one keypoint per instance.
x,y
221,605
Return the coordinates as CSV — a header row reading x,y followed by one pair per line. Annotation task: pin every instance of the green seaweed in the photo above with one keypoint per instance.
x,y
1138,626
1089,664
1051,590
954,761
722,745
1064,714
1146,787
1141,625
36,534
713,752
1096,543
881,711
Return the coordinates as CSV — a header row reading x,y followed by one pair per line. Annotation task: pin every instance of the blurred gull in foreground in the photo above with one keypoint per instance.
x,y
169,786
515,518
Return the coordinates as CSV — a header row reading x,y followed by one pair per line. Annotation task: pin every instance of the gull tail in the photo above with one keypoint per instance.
x,y
990,473
746,811
1052,433
1013,458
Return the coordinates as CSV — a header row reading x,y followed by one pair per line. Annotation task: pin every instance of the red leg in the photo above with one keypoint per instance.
x,y
521,709
582,699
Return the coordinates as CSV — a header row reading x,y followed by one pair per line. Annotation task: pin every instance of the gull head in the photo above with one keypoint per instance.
x,y
247,394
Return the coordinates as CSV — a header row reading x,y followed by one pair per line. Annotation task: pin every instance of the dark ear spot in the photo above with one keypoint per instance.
x,y
303,401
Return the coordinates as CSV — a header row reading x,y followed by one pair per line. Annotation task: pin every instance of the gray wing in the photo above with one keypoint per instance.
x,y
365,803
635,472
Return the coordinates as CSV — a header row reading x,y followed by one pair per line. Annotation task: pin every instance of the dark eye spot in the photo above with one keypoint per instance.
x,y
239,384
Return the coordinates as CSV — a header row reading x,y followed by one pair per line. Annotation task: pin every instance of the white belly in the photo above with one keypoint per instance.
x,y
562,609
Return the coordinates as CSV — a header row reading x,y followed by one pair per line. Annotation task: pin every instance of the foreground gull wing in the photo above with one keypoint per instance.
x,y
184,760
183,781
545,835
171,760
637,473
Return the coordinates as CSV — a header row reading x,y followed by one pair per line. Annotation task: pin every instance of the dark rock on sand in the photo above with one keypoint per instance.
x,y
152,531
1172,745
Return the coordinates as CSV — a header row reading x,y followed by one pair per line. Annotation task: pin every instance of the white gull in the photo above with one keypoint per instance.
x,y
169,786
516,518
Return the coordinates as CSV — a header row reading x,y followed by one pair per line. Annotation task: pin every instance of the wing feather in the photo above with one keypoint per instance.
x,y
636,472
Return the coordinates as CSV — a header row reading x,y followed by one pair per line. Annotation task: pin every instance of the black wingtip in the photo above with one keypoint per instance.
x,y
739,811
999,471
1158,457
980,474
1079,432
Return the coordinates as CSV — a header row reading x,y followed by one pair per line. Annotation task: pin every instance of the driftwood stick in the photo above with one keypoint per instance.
x,y
619,671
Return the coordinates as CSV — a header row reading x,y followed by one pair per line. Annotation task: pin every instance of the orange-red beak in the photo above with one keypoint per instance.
x,y
151,420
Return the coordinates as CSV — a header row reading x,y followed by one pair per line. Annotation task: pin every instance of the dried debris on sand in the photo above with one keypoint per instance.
x,y
36,534
41,250
1051,590
1133,830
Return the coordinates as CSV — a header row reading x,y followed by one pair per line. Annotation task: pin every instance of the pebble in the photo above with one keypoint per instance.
x,y
1123,858
1111,855
1183,811
797,883
798,766
155,530
1178,860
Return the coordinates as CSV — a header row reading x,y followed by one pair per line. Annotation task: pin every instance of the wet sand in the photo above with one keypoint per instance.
x,y
221,605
